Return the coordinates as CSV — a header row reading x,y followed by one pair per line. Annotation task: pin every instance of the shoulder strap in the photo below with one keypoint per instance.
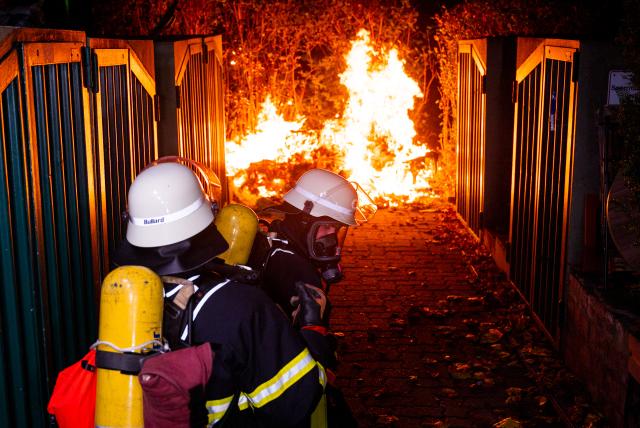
x,y
240,273
180,304
207,286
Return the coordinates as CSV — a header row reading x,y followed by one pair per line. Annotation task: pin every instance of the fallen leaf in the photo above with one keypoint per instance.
x,y
460,371
449,392
387,420
508,423
491,336
542,400
487,381
536,350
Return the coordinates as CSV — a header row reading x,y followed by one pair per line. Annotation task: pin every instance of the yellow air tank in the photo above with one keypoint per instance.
x,y
131,305
319,417
239,225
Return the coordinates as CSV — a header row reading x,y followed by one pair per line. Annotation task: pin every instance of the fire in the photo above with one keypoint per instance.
x,y
275,139
372,141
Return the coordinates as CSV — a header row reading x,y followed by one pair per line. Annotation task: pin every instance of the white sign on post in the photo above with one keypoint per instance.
x,y
620,86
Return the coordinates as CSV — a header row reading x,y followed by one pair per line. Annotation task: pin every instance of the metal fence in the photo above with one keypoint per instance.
x,y
20,381
201,132
542,144
78,121
48,259
123,93
545,102
471,136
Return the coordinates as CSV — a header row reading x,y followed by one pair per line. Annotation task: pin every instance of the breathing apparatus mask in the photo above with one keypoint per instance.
x,y
325,240
329,204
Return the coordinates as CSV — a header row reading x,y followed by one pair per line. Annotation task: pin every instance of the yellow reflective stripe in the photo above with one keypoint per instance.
x,y
287,376
322,376
243,402
217,409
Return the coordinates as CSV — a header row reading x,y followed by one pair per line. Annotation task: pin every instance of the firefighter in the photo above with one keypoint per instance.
x,y
306,244
265,372
305,247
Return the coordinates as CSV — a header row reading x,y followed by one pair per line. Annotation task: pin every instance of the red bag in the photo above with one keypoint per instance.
x,y
73,401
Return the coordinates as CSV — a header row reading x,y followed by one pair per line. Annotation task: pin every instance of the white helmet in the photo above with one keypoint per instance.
x,y
322,193
166,205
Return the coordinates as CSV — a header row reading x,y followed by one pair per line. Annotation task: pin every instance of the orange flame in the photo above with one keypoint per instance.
x,y
373,138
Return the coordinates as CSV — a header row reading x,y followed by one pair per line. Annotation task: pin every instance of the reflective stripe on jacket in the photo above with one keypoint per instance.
x,y
260,358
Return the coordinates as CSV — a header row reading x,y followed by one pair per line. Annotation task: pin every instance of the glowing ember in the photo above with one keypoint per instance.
x,y
372,142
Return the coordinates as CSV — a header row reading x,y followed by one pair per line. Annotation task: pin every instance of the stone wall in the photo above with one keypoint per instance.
x,y
596,348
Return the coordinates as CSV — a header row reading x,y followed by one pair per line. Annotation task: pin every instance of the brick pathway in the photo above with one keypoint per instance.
x,y
424,341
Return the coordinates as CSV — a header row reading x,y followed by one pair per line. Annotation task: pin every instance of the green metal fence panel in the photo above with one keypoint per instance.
x,y
66,162
60,139
48,313
24,371
18,316
117,149
125,132
128,139
68,292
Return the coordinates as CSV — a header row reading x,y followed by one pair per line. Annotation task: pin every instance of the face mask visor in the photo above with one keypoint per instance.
x,y
325,240
366,208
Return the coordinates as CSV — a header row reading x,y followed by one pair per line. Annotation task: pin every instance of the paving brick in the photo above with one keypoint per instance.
x,y
397,365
